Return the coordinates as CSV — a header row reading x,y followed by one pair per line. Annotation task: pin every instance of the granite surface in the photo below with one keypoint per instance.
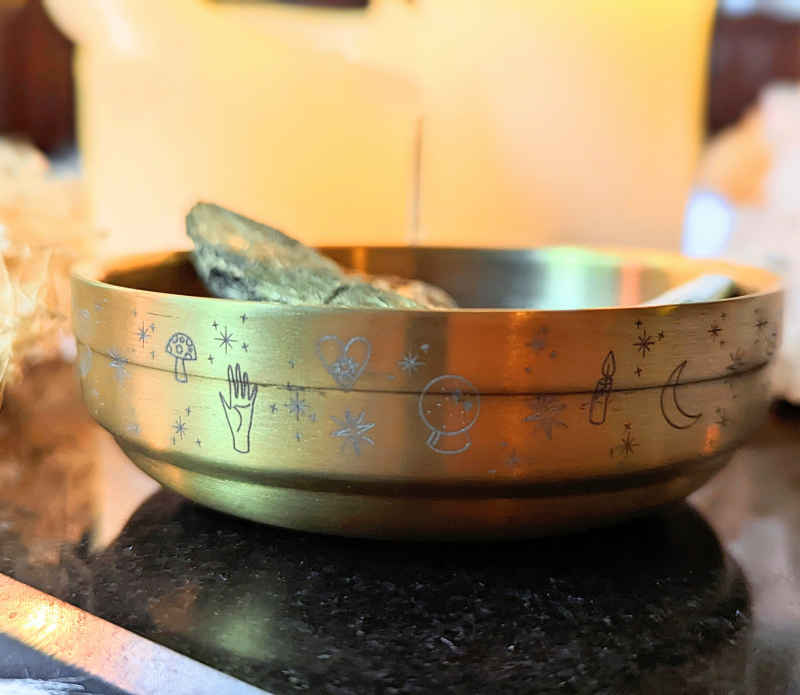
x,y
699,598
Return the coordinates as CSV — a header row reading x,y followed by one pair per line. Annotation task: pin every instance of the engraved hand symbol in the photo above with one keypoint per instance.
x,y
239,407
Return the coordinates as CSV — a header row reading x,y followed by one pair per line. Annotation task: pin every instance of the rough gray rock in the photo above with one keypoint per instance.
x,y
238,258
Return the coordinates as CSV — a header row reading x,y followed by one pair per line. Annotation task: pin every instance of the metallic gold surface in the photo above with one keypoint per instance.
x,y
469,423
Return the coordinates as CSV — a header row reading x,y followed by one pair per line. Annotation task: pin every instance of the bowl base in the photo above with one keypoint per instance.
x,y
428,517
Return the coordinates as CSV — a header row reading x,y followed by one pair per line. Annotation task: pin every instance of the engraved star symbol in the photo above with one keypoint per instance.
x,y
118,363
539,342
244,347
513,460
410,363
153,327
761,323
173,440
297,436
313,417
189,410
292,363
135,312
198,442
216,325
225,339
627,426
639,323
274,407
180,428
644,344
425,347
628,445
714,331
297,406
737,361
546,411
353,430
153,354
143,335
723,418
661,335
243,317
638,371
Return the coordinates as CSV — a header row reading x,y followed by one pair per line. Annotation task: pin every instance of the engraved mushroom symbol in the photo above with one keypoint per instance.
x,y
181,347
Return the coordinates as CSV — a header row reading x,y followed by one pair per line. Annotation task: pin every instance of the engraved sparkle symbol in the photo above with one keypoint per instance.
x,y
714,331
410,363
539,343
644,344
761,323
628,445
546,410
225,339
118,363
737,361
143,335
353,430
297,406
180,428
723,418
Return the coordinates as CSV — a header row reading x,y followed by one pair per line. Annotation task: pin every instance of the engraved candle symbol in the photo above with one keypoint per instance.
x,y
597,411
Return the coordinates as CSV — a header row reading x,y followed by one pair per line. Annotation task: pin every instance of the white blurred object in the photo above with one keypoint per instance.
x,y
755,166
787,9
43,231
439,122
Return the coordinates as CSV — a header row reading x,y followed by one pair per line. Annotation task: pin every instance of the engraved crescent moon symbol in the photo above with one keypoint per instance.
x,y
675,416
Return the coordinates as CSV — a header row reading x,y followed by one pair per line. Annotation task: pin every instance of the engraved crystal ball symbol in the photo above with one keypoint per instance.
x,y
181,347
449,406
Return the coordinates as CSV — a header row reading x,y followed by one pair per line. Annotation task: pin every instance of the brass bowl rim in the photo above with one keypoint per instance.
x,y
757,282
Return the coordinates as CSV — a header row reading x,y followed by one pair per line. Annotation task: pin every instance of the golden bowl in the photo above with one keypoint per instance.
x,y
554,403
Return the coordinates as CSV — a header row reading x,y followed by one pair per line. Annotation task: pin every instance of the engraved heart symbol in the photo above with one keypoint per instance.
x,y
344,362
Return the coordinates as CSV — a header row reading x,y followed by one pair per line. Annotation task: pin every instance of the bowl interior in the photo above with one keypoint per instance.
x,y
550,278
